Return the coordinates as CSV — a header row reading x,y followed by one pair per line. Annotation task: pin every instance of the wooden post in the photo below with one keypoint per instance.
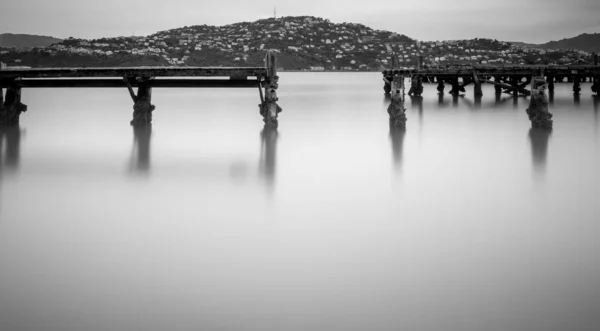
x,y
130,89
550,81
477,89
269,109
455,88
440,86
538,105
497,88
515,84
576,85
10,113
143,107
396,108
387,86
596,84
416,85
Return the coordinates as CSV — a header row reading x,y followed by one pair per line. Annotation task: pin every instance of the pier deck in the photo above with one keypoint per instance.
x,y
144,78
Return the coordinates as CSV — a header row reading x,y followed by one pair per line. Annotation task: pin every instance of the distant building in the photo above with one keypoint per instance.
x,y
2,65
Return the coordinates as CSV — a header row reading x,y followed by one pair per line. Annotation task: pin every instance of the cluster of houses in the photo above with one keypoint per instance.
x,y
306,43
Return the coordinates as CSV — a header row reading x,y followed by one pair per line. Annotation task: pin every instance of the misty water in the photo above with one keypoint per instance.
x,y
466,220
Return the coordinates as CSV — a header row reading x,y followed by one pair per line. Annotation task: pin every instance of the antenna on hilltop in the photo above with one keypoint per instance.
x,y
275,12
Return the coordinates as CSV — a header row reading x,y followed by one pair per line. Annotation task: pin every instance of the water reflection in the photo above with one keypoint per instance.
x,y
551,97
539,138
140,154
10,147
417,102
478,101
268,155
454,100
576,99
397,139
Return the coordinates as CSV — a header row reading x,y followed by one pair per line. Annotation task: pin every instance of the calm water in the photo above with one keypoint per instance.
x,y
467,220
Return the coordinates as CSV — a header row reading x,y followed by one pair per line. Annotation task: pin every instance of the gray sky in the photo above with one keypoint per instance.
x,y
535,21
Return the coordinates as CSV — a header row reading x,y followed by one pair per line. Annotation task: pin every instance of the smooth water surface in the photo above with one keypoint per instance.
x,y
466,220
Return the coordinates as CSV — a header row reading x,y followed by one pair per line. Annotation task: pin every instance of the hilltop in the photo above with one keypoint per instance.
x,y
26,41
302,43
589,43
584,42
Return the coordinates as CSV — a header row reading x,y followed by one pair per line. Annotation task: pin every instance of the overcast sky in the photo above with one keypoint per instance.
x,y
535,21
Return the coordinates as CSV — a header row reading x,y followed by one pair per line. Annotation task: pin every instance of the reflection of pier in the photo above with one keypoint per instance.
x,y
539,138
140,155
397,134
10,147
268,154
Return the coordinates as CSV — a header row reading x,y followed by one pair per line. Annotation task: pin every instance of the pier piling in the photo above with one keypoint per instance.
x,y
440,86
538,112
269,108
12,106
143,107
477,89
576,85
396,108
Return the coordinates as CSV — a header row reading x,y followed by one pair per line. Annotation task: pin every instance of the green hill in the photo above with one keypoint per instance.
x,y
26,41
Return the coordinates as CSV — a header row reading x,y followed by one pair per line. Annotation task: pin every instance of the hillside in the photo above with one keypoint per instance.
x,y
302,43
584,42
26,41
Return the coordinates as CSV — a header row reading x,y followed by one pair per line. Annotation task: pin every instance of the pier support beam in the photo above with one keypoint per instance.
x,y
576,85
11,107
455,88
440,86
497,88
416,86
269,109
143,107
396,108
550,82
538,112
596,84
477,89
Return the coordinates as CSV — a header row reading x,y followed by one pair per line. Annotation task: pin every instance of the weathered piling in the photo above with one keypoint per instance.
x,y
550,82
440,86
576,85
497,88
538,112
455,88
396,108
269,109
12,107
477,89
416,86
142,102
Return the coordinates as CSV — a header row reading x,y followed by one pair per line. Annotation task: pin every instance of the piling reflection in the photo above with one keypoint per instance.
x,y
551,97
478,101
140,154
455,100
10,147
576,99
268,155
539,138
417,102
397,134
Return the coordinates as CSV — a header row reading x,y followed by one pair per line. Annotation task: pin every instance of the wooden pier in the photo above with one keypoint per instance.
x,y
513,79
144,79
508,79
